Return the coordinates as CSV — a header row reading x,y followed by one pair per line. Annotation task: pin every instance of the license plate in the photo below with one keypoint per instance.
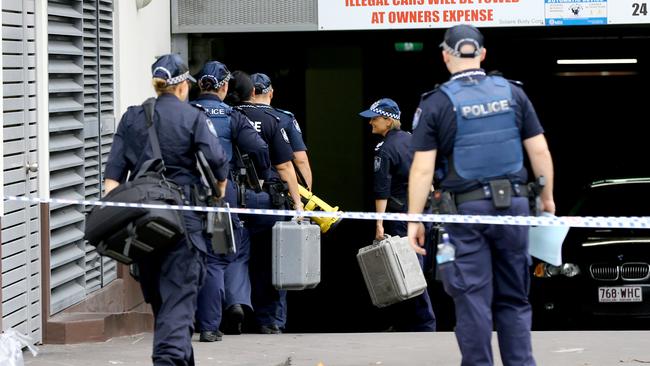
x,y
620,294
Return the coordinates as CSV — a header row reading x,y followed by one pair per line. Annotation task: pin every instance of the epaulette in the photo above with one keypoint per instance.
x,y
495,73
197,105
516,82
272,115
284,112
430,92
239,110
499,73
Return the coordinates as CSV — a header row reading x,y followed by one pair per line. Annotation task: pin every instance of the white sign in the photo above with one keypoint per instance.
x,y
410,14
407,14
575,12
628,12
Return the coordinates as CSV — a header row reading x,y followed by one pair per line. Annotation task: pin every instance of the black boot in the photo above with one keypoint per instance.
x,y
233,319
270,329
210,336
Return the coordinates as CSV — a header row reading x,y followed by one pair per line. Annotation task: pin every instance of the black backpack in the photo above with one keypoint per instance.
x,y
131,235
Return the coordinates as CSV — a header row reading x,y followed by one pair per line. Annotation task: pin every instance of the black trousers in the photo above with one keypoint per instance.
x,y
171,284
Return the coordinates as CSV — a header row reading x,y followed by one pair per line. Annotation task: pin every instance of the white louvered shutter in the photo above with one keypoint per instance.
x,y
106,105
92,156
81,127
67,171
21,277
99,121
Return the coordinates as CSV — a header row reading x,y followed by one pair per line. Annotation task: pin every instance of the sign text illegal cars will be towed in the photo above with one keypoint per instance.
x,y
413,14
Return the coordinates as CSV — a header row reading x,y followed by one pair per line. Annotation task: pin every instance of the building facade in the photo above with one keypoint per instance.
x,y
69,69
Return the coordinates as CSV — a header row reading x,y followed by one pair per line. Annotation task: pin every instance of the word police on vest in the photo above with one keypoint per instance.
x,y
217,111
257,125
485,109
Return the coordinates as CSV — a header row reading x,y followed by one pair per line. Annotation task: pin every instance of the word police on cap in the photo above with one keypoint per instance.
x,y
485,109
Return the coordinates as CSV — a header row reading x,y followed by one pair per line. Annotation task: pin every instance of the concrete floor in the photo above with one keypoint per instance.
x,y
356,349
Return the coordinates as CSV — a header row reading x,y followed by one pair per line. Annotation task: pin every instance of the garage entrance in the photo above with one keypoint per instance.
x,y
592,115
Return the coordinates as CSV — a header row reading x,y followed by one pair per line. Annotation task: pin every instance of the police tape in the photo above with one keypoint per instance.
x,y
632,222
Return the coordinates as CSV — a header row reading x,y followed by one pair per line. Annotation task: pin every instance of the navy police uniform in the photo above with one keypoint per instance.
x,y
291,127
288,125
269,303
391,164
477,123
227,282
268,126
287,120
171,282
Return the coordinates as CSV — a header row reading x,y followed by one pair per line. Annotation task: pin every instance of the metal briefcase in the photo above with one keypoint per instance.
x,y
296,255
391,270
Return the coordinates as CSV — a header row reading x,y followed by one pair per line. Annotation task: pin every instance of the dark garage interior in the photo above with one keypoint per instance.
x,y
593,116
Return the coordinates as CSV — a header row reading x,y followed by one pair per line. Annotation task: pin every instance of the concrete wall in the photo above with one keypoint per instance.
x,y
140,36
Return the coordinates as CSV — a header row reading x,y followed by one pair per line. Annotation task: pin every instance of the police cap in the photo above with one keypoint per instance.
x,y
262,83
384,107
458,36
172,69
214,75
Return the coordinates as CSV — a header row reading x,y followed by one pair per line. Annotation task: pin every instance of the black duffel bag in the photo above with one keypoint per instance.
x,y
132,234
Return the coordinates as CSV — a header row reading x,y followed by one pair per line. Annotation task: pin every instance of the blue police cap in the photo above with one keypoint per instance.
x,y
172,69
384,107
214,75
458,36
262,83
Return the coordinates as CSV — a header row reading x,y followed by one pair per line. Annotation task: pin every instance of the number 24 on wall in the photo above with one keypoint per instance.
x,y
639,9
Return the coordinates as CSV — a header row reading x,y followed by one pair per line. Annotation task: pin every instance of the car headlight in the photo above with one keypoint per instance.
x,y
545,270
570,269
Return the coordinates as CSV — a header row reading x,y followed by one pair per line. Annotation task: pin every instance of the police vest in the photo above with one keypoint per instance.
x,y
219,113
488,141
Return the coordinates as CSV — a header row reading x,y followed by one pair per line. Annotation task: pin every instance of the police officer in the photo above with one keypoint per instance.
x,y
478,123
171,282
263,95
227,282
391,166
269,304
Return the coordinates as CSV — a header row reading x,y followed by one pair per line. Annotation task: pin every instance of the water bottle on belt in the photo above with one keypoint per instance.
x,y
446,250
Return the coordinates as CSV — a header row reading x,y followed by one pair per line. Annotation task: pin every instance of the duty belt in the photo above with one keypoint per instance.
x,y
484,193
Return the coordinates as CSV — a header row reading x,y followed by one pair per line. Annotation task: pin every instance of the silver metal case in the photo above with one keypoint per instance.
x,y
391,270
296,255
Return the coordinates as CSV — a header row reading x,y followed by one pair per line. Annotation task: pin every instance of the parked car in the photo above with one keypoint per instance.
x,y
605,273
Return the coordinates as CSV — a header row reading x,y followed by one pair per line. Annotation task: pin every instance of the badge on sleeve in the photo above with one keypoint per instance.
x,y
297,126
379,145
284,135
211,128
377,163
416,118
